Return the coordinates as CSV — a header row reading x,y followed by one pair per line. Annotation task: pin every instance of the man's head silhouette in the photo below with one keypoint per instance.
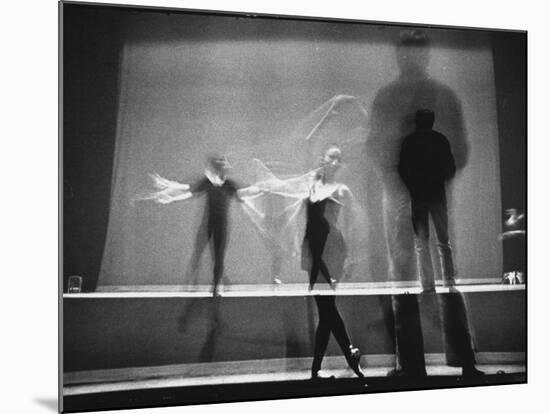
x,y
413,54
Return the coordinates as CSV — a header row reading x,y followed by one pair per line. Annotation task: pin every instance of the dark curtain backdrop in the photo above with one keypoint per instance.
x,y
98,42
91,53
510,55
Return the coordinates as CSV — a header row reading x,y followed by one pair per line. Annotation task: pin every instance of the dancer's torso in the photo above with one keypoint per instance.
x,y
322,208
218,198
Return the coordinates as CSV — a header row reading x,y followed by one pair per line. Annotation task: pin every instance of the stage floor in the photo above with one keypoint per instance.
x,y
292,289
260,371
172,382
174,391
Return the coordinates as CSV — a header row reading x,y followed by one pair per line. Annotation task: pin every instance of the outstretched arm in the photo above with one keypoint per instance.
x,y
249,192
167,192
335,102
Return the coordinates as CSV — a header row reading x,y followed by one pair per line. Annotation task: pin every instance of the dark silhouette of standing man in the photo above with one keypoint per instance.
x,y
425,164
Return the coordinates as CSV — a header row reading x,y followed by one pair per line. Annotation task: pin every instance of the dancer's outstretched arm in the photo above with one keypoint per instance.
x,y
332,110
289,193
167,192
249,193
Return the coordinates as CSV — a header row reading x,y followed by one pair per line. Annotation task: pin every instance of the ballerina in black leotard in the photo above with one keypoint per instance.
x,y
323,204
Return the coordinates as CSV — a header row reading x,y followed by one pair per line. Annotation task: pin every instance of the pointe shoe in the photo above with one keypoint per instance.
x,y
320,375
357,370
354,361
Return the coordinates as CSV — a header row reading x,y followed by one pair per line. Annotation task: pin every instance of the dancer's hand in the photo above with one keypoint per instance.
x,y
336,101
341,98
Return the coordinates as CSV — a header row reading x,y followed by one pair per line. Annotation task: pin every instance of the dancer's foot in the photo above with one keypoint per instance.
x,y
277,281
354,360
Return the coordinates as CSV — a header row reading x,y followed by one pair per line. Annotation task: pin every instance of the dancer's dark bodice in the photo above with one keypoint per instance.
x,y
217,200
317,224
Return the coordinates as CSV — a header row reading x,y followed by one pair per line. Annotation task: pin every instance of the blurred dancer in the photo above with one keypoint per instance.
x,y
325,199
213,229
219,191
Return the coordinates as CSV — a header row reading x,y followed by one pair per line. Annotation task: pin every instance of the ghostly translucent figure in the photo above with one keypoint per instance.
x,y
214,225
392,118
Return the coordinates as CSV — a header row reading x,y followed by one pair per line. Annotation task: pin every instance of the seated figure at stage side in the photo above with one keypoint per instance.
x,y
425,164
326,198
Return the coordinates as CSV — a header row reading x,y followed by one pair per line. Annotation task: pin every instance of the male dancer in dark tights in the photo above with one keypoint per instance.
x,y
219,191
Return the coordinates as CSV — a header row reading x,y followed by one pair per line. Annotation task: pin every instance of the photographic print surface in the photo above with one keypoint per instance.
x,y
259,207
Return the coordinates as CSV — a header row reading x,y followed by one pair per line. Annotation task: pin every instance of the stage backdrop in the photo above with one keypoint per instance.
x,y
192,85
